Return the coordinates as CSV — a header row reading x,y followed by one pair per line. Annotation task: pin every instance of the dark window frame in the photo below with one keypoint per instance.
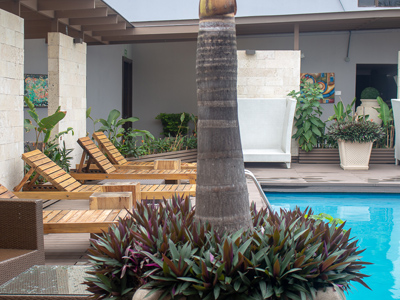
x,y
379,3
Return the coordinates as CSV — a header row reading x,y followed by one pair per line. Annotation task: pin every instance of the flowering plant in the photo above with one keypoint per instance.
x,y
361,131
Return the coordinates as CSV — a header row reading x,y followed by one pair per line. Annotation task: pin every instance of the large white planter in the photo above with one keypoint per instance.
x,y
367,107
354,155
327,294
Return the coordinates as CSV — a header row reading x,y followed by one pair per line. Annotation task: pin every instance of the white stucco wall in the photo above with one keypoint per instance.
x,y
11,98
35,63
164,81
104,80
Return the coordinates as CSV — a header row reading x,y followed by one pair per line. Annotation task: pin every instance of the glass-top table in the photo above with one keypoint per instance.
x,y
47,282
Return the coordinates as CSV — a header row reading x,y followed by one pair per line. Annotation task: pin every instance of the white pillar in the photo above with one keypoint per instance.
x,y
67,87
11,99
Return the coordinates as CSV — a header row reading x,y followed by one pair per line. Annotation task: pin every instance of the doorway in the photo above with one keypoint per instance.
x,y
127,106
383,77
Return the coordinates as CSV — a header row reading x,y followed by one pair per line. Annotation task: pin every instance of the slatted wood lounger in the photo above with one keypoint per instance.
x,y
74,221
115,157
63,186
108,171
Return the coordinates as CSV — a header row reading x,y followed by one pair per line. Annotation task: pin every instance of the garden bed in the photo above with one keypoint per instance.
x,y
184,155
331,156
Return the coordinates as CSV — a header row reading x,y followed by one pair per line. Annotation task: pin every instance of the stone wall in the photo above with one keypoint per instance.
x,y
67,87
11,98
268,74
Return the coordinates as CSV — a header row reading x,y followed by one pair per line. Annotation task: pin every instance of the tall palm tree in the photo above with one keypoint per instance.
x,y
221,194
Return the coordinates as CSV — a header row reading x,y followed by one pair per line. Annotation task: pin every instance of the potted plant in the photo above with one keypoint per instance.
x,y
369,104
355,139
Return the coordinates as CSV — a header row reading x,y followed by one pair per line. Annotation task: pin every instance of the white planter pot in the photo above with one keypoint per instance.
x,y
354,155
329,294
368,107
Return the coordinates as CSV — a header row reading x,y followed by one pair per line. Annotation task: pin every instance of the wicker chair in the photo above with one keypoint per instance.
x,y
21,238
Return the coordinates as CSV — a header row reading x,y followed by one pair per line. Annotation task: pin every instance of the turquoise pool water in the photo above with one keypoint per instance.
x,y
375,222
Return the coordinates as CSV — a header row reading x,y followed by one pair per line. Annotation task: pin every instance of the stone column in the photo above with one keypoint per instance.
x,y
67,87
11,98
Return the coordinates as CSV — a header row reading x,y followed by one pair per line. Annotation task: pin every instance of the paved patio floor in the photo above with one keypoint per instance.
x,y
66,249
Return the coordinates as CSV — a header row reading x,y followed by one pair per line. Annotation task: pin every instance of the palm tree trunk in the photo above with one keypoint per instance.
x,y
221,194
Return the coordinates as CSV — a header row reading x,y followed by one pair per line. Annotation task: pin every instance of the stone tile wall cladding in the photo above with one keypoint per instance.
x,y
11,98
269,74
67,87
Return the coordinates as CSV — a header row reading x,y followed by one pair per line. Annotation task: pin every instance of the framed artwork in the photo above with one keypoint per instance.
x,y
326,82
36,89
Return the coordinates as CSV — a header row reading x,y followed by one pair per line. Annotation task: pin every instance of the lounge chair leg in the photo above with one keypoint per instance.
x,y
288,165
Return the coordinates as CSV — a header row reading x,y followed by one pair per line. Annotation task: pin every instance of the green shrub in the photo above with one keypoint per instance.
x,y
370,93
310,128
287,256
174,124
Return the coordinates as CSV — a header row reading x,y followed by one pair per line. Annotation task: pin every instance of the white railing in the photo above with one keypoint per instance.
x,y
249,174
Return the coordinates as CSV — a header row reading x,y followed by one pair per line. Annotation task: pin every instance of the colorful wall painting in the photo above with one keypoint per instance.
x,y
36,89
326,82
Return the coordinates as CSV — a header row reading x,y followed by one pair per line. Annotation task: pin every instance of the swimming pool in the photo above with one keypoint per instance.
x,y
375,222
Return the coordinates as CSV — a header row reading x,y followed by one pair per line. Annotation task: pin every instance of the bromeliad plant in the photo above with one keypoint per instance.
x,y
287,255
309,126
361,131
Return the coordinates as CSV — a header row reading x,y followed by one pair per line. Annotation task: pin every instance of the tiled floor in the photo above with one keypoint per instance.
x,y
64,249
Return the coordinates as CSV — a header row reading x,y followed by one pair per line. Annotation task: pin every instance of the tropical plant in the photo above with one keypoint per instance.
x,y
113,127
356,131
386,115
221,192
174,124
310,128
286,256
43,126
342,113
370,93
88,116
161,145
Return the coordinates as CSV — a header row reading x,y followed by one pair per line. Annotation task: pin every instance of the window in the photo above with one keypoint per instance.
x,y
379,3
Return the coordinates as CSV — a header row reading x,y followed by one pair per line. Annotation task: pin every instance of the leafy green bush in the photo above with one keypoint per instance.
x,y
113,127
370,93
174,124
286,256
356,131
310,128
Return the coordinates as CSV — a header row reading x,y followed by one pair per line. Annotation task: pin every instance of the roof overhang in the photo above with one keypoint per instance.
x,y
76,18
96,22
261,25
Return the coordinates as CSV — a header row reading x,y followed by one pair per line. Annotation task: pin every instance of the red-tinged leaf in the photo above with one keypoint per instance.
x,y
361,282
333,267
299,261
327,263
173,268
277,268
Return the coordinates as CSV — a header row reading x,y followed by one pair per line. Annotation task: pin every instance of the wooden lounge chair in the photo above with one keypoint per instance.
x,y
116,158
108,171
62,186
54,221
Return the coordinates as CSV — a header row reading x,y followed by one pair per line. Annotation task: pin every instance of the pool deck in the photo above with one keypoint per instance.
x,y
70,249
